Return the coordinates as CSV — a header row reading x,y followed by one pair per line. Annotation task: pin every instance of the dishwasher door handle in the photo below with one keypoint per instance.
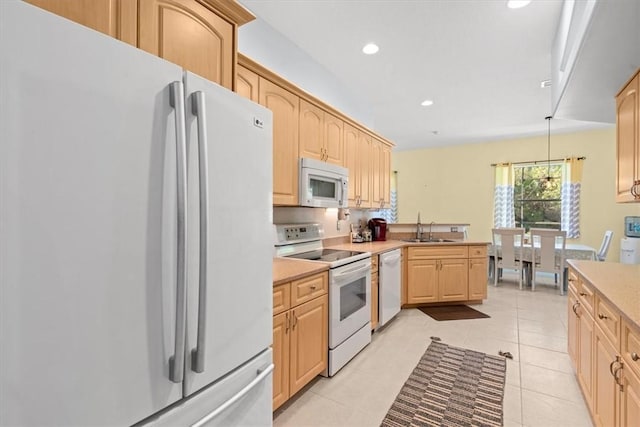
x,y
391,260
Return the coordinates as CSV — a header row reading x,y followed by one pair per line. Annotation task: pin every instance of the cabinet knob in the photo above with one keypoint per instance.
x,y
313,287
635,357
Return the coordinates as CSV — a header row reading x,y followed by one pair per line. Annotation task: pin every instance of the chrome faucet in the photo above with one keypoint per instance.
x,y
418,228
431,234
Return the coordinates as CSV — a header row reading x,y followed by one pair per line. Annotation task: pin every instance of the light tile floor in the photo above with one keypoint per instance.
x,y
541,388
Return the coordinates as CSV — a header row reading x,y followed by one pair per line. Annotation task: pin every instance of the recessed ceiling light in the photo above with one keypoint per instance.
x,y
517,4
426,103
370,48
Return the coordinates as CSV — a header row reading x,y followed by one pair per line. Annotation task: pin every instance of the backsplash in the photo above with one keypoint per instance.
x,y
327,217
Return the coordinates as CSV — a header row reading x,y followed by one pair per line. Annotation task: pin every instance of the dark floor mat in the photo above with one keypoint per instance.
x,y
452,312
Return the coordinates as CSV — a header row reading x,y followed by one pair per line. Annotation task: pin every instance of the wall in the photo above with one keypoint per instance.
x,y
265,45
327,217
455,184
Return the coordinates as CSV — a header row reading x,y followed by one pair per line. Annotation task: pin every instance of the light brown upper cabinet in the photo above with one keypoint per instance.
x,y
247,84
115,18
628,142
358,154
285,107
364,157
321,134
189,34
385,175
198,35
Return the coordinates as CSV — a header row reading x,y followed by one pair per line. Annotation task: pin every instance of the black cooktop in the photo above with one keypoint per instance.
x,y
327,255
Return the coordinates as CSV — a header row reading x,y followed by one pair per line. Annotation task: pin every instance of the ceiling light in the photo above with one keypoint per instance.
x,y
426,103
517,4
370,48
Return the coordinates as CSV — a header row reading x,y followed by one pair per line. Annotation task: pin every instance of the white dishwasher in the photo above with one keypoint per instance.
x,y
389,286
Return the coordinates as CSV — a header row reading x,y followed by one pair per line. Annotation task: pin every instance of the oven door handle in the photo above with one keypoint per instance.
x,y
351,272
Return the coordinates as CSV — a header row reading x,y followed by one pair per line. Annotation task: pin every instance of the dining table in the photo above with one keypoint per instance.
x,y
571,251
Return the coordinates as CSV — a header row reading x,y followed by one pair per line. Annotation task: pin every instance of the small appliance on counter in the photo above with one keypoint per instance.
x,y
630,244
378,227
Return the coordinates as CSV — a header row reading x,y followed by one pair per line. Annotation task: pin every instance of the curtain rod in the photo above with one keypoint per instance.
x,y
535,162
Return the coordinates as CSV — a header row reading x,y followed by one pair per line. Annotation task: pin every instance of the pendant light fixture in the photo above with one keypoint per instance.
x,y
549,178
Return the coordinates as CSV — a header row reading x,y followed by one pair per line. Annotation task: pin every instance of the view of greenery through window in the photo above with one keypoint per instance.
x,y
537,201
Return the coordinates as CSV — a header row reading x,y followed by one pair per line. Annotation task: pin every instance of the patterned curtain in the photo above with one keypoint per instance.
x,y
571,177
391,214
503,199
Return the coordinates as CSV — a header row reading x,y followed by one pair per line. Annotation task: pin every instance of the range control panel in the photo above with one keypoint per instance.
x,y
292,233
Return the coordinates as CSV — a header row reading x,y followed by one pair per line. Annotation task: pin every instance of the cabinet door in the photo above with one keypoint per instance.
x,y
311,131
572,328
422,281
352,162
247,83
627,138
374,300
376,180
333,140
309,342
115,18
478,278
630,404
280,359
453,280
285,107
188,34
606,394
585,355
364,160
385,177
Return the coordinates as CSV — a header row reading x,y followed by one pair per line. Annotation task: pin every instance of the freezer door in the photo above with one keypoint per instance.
x,y
243,398
88,225
230,231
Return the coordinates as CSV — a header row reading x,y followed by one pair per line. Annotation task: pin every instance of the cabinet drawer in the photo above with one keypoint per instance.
x,y
574,282
586,296
308,288
281,300
630,347
374,263
478,251
438,252
608,320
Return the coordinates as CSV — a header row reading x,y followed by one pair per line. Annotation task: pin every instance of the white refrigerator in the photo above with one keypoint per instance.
x,y
135,236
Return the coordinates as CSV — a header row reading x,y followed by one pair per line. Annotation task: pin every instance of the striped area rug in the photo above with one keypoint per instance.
x,y
451,386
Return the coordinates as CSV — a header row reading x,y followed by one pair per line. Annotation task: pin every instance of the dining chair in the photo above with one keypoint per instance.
x,y
548,250
604,247
510,241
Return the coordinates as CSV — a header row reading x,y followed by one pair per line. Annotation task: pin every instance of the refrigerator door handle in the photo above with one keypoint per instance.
x,y
176,362
199,110
262,374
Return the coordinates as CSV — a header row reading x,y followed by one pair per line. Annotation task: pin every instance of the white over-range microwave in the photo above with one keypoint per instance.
x,y
323,185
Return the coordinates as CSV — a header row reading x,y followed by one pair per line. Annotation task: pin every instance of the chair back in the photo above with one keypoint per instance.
x,y
604,247
510,241
545,242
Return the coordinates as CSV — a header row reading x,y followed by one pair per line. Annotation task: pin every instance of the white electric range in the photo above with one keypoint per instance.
x,y
349,288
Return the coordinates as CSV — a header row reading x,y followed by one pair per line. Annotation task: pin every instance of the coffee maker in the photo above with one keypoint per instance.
x,y
378,227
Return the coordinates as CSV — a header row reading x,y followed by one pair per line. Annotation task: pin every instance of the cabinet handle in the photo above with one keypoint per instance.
x,y
575,308
602,316
286,329
617,378
582,294
313,287
611,365
570,279
635,357
295,321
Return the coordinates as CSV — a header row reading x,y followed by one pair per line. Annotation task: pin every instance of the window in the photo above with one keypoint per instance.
x,y
537,201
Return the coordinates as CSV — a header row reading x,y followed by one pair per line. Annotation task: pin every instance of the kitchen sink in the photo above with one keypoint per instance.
x,y
429,240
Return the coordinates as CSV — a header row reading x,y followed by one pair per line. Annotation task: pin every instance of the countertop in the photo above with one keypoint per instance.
x,y
388,245
286,270
618,283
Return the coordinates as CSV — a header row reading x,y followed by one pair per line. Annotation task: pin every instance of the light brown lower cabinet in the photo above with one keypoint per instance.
x,y
443,273
604,349
300,334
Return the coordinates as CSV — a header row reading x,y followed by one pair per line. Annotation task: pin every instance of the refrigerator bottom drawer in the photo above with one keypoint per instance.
x,y
243,398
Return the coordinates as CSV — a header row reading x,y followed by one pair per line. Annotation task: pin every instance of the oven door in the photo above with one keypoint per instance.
x,y
349,300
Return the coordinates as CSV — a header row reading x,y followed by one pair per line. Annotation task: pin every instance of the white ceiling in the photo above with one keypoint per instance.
x,y
480,62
